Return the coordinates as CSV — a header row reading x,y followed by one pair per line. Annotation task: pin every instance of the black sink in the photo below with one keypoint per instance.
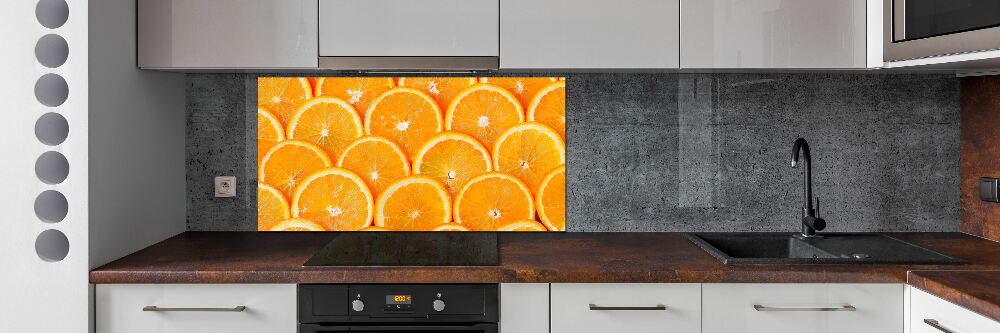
x,y
837,248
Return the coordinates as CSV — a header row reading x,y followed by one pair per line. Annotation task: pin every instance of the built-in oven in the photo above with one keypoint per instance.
x,y
375,308
916,29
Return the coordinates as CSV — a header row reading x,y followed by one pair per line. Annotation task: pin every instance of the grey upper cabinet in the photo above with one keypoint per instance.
x,y
780,34
589,34
219,34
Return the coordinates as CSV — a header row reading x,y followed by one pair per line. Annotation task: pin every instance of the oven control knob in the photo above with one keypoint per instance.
x,y
358,305
438,305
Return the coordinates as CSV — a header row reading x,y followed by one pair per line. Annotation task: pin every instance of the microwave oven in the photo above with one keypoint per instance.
x,y
915,29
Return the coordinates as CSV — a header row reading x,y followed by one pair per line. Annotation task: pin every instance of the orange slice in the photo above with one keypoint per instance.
x,y
492,200
297,225
406,116
312,83
374,228
524,87
522,225
289,162
483,111
529,151
549,107
358,91
452,158
377,160
450,227
269,133
550,200
272,207
413,203
327,122
336,198
283,95
443,89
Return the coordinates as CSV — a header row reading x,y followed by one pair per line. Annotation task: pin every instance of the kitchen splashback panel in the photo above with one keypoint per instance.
x,y
411,154
682,152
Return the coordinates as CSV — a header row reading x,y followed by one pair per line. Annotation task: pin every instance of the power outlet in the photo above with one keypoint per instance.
x,y
225,187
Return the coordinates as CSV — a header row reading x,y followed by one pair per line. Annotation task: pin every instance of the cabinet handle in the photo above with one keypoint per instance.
x,y
935,324
596,307
759,307
159,309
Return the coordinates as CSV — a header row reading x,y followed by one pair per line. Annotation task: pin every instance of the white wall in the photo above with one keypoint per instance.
x,y
137,185
38,295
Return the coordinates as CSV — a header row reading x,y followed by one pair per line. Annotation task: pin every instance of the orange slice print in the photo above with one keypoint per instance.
x,y
327,122
336,198
524,87
290,161
414,203
483,111
489,201
282,95
272,207
550,200
407,116
452,158
358,91
377,160
442,89
269,133
549,107
529,151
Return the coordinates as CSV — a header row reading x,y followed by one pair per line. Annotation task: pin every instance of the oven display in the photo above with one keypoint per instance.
x,y
399,299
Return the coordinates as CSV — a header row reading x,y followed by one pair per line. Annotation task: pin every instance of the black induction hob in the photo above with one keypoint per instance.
x,y
395,248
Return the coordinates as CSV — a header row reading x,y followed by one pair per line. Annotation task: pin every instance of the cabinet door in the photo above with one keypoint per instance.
x,y
524,308
227,34
773,34
589,34
930,314
195,308
634,308
407,28
802,308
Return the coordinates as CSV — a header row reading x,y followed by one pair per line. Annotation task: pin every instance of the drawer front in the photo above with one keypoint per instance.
x,y
946,315
269,308
407,28
778,308
634,308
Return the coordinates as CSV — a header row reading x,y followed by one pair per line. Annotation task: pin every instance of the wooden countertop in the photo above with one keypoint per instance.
x,y
251,257
978,291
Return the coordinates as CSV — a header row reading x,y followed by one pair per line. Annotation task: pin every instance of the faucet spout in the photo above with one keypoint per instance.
x,y
810,222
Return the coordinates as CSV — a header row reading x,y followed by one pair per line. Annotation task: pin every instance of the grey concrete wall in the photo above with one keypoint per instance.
x,y
684,152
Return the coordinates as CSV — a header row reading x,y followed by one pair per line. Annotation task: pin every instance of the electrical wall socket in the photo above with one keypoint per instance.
x,y
225,186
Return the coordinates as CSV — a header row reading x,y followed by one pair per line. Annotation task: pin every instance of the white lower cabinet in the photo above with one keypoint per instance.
x,y
195,308
930,314
635,308
802,308
524,308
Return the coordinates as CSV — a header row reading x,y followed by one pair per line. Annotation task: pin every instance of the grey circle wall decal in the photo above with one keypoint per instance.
x,y
52,245
51,129
51,51
52,167
52,13
51,90
51,206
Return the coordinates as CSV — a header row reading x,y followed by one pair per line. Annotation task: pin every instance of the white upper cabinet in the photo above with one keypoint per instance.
x,y
407,28
589,34
780,34
221,34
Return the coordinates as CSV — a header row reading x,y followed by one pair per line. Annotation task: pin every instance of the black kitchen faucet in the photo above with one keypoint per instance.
x,y
810,221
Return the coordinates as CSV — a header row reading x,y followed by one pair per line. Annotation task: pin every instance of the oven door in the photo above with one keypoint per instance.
x,y
474,328
914,29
